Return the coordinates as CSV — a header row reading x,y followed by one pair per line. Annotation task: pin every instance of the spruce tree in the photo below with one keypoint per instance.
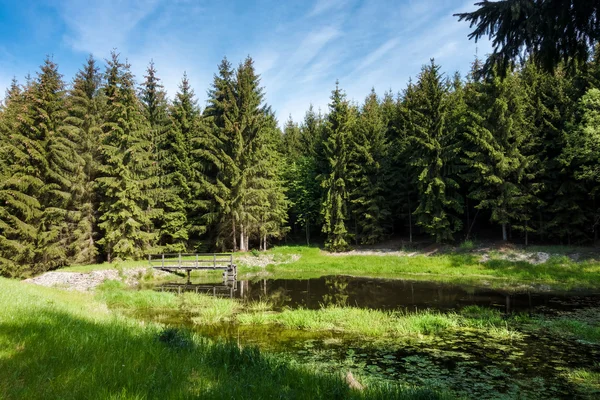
x,y
561,213
499,162
19,184
84,106
582,152
170,152
369,166
334,208
238,147
186,120
126,176
292,139
436,146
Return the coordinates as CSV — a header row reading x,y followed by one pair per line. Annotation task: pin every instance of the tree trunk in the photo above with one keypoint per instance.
x,y
409,221
526,234
242,241
234,236
468,217
504,233
307,235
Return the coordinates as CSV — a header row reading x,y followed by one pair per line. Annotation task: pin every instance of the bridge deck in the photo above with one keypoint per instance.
x,y
194,262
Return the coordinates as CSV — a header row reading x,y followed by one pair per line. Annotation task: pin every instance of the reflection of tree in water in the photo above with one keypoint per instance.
x,y
337,291
278,297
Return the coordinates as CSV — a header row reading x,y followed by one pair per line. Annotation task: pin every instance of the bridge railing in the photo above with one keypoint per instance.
x,y
191,260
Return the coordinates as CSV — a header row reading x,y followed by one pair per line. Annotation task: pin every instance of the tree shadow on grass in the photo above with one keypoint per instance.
x,y
53,354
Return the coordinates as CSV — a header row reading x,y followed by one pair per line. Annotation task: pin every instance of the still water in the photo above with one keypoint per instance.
x,y
466,362
390,294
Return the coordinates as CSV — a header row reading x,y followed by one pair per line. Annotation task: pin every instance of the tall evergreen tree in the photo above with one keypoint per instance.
x,y
37,181
582,151
334,208
171,155
126,176
368,173
84,106
239,147
19,184
185,116
499,163
436,147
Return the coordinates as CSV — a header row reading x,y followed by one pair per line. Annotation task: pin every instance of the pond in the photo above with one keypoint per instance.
x,y
467,362
390,294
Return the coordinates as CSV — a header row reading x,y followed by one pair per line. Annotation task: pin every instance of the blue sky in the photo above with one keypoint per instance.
x,y
300,47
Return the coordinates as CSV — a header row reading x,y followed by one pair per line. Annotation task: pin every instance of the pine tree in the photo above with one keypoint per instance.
x,y
170,152
239,149
292,139
499,164
561,213
41,161
582,152
126,175
403,172
186,120
334,208
84,120
436,147
19,184
369,165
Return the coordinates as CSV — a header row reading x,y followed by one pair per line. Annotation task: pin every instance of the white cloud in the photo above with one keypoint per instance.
x,y
99,26
377,54
322,6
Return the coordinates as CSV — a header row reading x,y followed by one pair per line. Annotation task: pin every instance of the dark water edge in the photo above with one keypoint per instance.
x,y
391,294
467,362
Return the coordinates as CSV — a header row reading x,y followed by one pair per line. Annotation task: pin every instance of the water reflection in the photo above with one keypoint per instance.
x,y
388,294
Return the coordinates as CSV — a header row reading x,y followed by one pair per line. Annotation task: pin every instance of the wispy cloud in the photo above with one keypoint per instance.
x,y
322,6
300,48
99,26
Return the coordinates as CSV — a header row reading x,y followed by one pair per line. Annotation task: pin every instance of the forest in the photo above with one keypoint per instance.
x,y
106,167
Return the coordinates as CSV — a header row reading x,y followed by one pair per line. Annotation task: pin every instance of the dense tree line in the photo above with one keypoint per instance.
x,y
105,168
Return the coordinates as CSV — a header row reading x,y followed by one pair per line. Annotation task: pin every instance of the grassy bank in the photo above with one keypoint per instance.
x,y
57,345
205,310
462,267
459,266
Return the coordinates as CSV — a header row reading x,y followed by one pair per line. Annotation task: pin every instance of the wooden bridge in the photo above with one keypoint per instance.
x,y
195,262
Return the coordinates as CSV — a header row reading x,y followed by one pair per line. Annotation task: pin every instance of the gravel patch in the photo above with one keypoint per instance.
x,y
375,252
266,259
88,281
532,258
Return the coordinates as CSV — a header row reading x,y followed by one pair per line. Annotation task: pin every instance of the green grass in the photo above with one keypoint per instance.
x,y
63,345
558,271
206,310
585,381
461,266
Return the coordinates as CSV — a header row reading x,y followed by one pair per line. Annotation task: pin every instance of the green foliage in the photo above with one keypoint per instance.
x,y
240,150
334,207
436,148
499,162
127,176
170,153
84,106
521,26
368,173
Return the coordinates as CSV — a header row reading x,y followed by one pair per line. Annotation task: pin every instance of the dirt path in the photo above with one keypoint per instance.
x,y
87,281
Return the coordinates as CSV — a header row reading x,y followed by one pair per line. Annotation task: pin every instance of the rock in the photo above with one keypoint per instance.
x,y
83,282
353,383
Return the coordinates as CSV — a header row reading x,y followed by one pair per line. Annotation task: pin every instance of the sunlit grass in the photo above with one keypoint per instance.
x,y
558,271
56,345
462,266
